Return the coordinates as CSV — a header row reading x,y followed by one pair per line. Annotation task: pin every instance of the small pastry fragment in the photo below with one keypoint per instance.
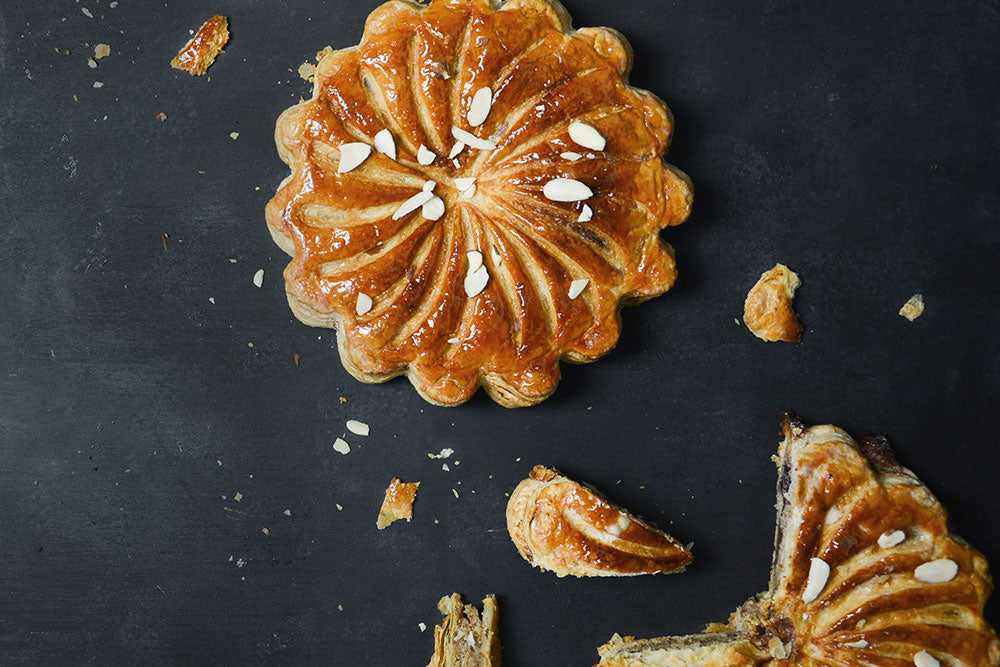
x,y
864,572
562,526
398,502
200,51
913,308
768,309
464,638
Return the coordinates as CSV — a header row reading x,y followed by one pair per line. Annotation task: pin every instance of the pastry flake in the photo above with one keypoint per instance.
x,y
865,572
398,502
768,309
199,53
562,526
913,308
464,638
489,91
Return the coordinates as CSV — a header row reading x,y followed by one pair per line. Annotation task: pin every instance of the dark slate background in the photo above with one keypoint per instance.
x,y
856,143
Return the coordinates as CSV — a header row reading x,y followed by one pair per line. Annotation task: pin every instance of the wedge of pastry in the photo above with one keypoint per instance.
x,y
464,638
864,572
568,528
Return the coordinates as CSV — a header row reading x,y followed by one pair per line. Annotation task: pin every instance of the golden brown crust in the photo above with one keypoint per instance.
x,y
464,638
415,74
562,526
841,503
768,309
199,53
398,502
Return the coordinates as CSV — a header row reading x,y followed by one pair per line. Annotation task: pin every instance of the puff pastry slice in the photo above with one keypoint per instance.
x,y
865,572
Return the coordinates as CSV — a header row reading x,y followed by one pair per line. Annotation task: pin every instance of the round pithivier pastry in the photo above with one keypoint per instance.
x,y
475,192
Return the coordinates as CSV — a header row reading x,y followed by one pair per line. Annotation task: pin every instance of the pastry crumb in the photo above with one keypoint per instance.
x,y
160,116
101,51
307,71
234,135
398,502
201,50
913,308
768,311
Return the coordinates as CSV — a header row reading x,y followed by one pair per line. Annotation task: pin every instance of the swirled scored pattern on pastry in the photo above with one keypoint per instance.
x,y
475,192
865,572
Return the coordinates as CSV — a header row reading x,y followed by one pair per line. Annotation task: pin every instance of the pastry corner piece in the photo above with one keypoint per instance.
x,y
864,572
475,193
465,637
570,529
398,502
768,309
200,51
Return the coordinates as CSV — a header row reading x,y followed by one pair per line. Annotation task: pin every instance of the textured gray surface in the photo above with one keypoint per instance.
x,y
856,144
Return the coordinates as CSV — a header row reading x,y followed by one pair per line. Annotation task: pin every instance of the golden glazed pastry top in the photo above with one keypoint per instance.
x,y
562,526
865,572
768,311
498,279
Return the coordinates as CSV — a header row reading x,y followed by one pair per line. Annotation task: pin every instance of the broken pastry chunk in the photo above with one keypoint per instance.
x,y
398,502
864,572
200,51
913,308
464,638
768,309
562,526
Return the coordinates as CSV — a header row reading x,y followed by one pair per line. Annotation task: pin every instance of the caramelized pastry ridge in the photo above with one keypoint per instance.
x,y
492,276
865,572
567,528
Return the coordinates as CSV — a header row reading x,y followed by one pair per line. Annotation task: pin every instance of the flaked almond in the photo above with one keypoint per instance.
x,y
412,204
587,136
936,571
571,156
475,260
889,539
357,428
429,186
819,573
472,140
340,445
386,144
913,308
861,643
468,193
577,286
425,156
352,155
566,189
586,215
925,659
364,303
433,209
475,281
482,101
463,184
258,278
456,149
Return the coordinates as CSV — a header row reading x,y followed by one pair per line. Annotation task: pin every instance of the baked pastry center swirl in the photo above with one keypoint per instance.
x,y
402,283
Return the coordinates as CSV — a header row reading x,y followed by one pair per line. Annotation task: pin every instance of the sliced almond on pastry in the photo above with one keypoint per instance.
x,y
768,309
398,502
465,638
886,583
562,526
